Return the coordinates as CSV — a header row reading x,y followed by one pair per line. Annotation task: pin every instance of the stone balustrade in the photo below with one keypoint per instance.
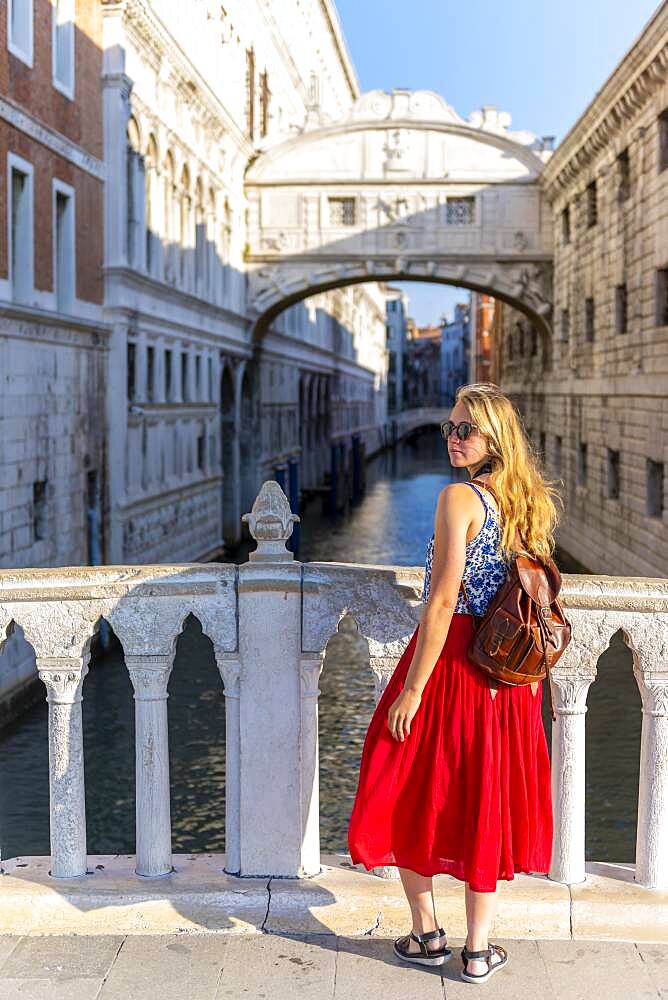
x,y
269,621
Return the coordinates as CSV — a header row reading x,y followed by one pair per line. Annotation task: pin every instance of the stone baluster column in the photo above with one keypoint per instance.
x,y
311,668
652,831
568,773
272,747
229,667
63,678
150,675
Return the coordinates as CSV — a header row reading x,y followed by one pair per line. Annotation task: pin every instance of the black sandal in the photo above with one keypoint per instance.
x,y
425,956
486,954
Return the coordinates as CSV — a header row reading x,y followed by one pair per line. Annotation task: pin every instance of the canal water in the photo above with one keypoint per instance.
x,y
390,525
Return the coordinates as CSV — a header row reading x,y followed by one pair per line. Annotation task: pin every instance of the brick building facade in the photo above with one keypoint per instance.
x,y
52,338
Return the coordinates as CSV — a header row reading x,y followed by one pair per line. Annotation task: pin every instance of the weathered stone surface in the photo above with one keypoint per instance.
x,y
371,961
610,904
302,968
167,967
617,970
58,957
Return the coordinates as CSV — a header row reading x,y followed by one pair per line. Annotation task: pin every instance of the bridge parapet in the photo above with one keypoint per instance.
x,y
270,620
401,188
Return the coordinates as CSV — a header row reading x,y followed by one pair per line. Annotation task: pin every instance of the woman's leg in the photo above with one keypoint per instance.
x,y
420,895
480,912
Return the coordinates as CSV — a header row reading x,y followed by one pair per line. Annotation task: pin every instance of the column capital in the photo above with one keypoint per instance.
x,y
571,690
382,668
654,693
63,677
149,675
311,668
229,667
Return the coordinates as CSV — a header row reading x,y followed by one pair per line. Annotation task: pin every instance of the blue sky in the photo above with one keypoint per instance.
x,y
542,62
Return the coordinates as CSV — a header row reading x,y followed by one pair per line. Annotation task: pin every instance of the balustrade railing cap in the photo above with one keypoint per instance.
x,y
270,523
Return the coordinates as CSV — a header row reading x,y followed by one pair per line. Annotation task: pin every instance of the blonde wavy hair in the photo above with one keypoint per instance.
x,y
526,499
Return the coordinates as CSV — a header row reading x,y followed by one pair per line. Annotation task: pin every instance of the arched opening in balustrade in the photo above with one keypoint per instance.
x,y
345,707
612,759
196,713
24,753
109,746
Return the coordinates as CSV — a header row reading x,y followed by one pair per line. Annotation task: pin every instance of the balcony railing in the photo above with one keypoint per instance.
x,y
269,621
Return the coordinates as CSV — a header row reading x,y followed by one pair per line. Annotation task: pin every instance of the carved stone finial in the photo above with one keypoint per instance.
x,y
270,523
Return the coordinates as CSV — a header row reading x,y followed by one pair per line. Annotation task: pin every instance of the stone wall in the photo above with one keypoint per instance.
x,y
601,379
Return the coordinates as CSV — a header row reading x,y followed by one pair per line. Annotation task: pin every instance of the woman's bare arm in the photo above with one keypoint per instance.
x,y
454,514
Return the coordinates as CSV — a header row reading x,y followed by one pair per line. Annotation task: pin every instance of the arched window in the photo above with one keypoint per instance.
x,y
201,275
135,197
169,222
152,208
211,265
186,240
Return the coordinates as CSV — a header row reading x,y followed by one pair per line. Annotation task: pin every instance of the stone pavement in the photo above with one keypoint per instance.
x,y
313,967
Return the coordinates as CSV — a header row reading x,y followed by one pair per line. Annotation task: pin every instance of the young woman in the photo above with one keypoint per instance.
x,y
455,772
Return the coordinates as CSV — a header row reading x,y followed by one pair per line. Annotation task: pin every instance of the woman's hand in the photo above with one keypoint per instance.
x,y
401,712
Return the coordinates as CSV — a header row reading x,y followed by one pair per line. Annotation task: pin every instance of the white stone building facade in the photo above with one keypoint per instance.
x,y
197,413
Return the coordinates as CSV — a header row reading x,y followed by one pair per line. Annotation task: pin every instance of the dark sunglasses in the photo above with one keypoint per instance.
x,y
463,428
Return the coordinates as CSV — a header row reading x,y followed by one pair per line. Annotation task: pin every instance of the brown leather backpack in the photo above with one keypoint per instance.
x,y
524,630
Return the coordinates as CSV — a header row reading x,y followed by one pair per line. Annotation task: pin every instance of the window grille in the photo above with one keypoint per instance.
x,y
460,211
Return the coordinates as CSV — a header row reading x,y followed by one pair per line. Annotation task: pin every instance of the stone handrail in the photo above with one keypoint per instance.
x,y
269,621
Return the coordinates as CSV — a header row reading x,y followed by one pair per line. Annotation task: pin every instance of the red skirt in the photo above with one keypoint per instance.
x,y
468,792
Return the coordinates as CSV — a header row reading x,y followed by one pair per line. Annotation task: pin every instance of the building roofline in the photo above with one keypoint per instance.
x,y
650,46
336,29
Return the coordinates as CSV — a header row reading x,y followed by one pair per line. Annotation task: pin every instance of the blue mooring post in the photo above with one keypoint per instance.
x,y
334,483
356,467
293,496
279,476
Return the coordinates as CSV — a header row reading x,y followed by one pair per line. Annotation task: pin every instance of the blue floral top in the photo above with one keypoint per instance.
x,y
485,568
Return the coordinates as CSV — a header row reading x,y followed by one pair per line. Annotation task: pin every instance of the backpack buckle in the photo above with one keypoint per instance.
x,y
546,611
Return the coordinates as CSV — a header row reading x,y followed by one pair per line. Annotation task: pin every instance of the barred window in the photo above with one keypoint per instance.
x,y
460,211
589,319
621,309
654,482
592,205
613,474
624,175
662,297
565,324
582,464
566,225
663,140
341,211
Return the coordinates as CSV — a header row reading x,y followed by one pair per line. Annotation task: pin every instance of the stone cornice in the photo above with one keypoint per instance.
x,y
58,143
639,74
155,39
336,32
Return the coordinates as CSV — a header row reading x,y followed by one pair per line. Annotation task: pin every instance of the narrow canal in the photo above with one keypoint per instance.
x,y
390,525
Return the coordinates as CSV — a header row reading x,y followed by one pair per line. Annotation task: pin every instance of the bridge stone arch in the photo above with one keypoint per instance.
x,y
402,188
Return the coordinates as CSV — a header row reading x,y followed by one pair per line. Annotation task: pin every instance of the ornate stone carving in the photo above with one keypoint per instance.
x,y
654,694
310,673
149,676
63,678
229,668
271,521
